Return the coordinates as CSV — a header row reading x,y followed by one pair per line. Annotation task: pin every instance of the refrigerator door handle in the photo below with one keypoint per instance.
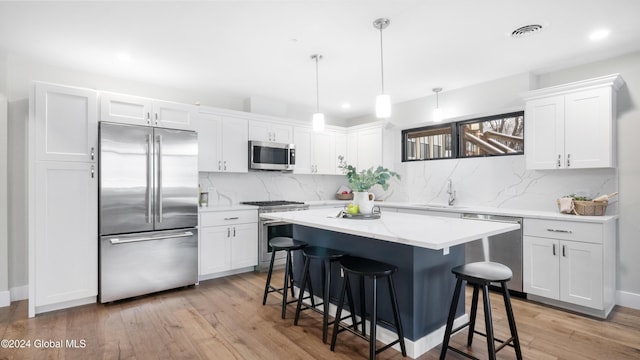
x,y
116,241
159,172
149,178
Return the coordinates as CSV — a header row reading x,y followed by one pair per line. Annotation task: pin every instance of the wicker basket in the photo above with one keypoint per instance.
x,y
348,196
590,208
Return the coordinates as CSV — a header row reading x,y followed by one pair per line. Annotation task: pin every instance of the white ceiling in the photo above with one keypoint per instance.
x,y
262,48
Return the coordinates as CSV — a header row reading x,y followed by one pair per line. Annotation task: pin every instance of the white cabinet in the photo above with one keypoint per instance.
x,y
222,142
66,243
571,262
63,197
66,123
136,110
364,148
572,126
228,242
270,131
316,151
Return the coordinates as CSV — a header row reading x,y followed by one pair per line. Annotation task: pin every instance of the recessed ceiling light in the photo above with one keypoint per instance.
x,y
346,106
123,57
599,34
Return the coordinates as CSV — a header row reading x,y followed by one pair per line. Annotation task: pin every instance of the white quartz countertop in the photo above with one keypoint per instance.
x,y
228,207
462,209
431,232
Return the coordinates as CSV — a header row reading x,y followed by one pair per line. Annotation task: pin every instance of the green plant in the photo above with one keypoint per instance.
x,y
364,180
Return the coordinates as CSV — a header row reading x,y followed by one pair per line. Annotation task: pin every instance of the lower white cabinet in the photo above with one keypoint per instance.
x,y
571,264
65,241
228,242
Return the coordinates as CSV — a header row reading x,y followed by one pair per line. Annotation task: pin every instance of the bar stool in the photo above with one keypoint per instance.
x,y
327,257
373,269
482,274
278,244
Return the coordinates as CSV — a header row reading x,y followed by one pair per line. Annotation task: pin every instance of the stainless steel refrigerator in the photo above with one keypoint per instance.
x,y
148,210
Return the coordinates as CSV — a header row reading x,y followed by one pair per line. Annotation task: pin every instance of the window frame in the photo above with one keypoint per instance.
x,y
456,146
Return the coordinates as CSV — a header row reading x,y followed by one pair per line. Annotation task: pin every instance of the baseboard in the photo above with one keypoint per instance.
x,y
19,293
5,298
628,299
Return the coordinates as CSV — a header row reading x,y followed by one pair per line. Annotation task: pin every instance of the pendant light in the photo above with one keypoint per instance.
x,y
318,117
383,101
437,112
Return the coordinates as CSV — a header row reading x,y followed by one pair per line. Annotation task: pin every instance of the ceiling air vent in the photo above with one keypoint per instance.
x,y
526,30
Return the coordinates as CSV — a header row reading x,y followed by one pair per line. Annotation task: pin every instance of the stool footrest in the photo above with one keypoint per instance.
x,y
462,353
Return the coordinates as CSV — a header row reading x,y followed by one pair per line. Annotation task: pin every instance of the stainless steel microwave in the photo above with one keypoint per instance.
x,y
264,155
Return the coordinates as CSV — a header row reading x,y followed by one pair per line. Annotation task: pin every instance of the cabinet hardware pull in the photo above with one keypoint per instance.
x,y
228,232
225,165
148,118
93,154
554,249
559,163
232,218
234,231
564,250
93,171
219,165
561,231
568,160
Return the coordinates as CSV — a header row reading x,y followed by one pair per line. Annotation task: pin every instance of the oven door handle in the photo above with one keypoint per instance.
x,y
274,222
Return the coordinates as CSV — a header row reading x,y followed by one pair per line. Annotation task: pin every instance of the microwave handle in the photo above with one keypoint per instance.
x,y
292,157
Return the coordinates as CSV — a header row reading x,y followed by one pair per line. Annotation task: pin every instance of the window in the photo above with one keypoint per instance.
x,y
489,136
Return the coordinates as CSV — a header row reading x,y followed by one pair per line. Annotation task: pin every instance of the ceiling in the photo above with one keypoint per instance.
x,y
262,48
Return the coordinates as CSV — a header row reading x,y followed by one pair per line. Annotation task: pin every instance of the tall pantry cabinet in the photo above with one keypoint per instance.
x,y
63,197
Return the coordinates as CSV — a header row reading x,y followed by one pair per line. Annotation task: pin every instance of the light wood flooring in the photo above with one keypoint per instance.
x,y
224,319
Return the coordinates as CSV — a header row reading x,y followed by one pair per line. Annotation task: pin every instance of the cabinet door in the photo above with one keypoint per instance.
x,y
209,129
581,274
588,128
541,267
544,133
215,249
125,109
173,115
324,152
302,138
244,245
341,150
235,144
260,131
66,232
66,123
369,149
282,133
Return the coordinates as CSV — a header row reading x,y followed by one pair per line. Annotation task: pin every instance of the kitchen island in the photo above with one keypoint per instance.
x,y
424,248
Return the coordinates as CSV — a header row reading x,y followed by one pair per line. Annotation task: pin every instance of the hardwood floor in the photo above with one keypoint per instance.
x,y
225,319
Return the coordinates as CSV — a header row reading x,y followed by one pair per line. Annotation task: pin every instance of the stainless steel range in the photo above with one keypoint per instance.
x,y
269,229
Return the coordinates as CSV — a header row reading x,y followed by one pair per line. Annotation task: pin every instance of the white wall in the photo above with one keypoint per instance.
x,y
4,246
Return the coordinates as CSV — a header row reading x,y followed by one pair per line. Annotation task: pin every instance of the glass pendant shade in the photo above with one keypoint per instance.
x,y
318,122
383,106
437,114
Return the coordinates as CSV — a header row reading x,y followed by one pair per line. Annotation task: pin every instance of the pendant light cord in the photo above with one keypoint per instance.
x,y
381,60
317,86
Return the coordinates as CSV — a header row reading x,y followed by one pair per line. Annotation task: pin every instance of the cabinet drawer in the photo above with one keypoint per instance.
x,y
228,217
563,230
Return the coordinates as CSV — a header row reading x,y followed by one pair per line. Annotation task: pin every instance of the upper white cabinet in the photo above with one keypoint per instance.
x,y
66,123
135,110
572,126
316,152
222,142
270,131
570,264
364,148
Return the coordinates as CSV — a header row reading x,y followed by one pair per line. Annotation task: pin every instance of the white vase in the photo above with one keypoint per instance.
x,y
364,200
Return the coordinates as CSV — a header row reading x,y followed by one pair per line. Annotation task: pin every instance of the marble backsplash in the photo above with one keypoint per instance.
x,y
493,182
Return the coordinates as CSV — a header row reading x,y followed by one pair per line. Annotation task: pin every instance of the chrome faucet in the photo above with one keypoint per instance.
x,y
451,192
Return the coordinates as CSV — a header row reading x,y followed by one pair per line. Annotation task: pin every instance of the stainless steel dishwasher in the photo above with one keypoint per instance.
x,y
504,248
